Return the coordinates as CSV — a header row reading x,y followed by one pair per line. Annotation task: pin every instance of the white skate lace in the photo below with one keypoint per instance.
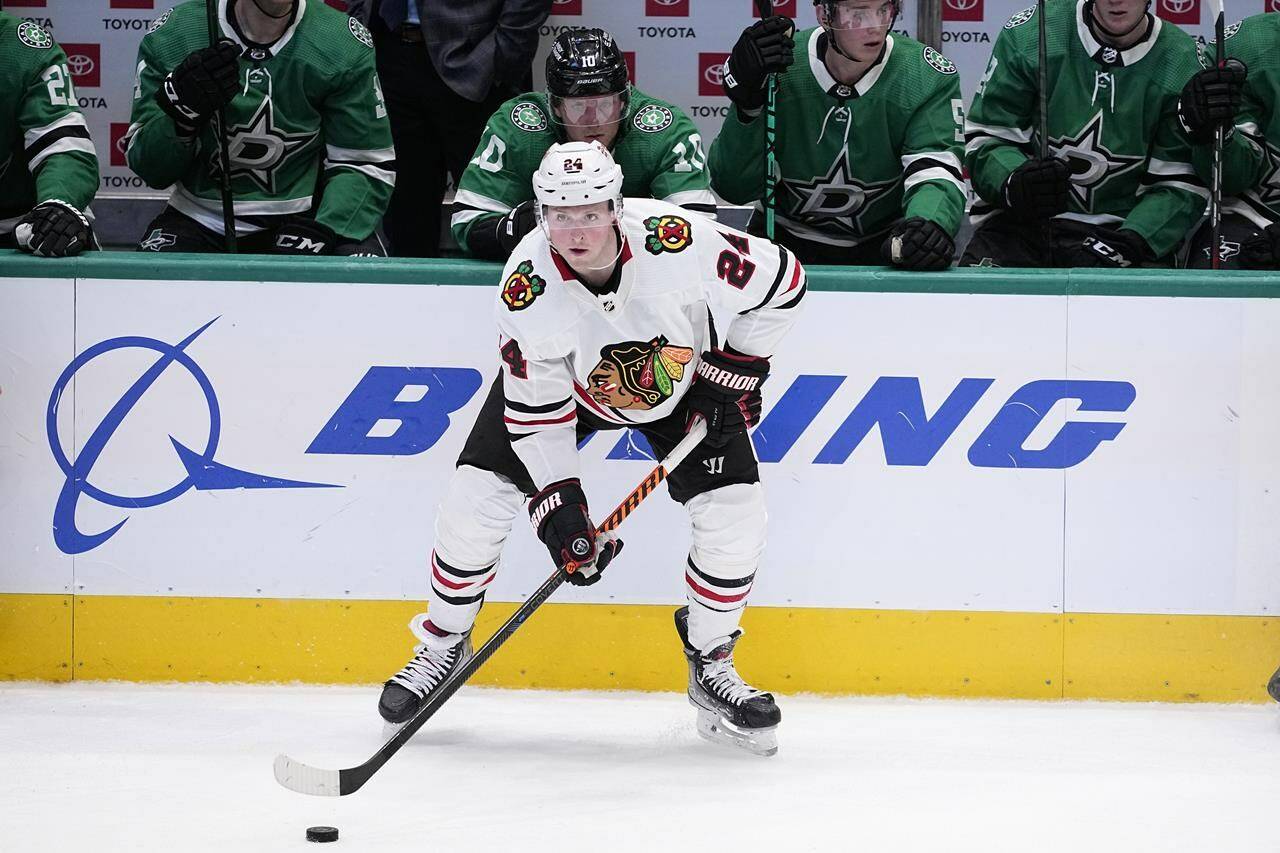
x,y
427,669
723,680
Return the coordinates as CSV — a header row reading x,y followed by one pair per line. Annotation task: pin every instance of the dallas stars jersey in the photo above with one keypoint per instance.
x,y
853,159
628,356
1251,157
658,148
1112,117
45,150
311,97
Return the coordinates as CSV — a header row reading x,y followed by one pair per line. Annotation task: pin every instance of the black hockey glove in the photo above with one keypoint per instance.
x,y
726,393
1263,251
763,48
918,244
519,221
559,515
53,229
303,237
1210,99
1116,249
206,80
1038,188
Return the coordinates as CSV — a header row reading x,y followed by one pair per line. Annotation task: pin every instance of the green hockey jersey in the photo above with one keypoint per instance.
x,y
45,150
308,105
852,160
658,148
1251,156
1113,116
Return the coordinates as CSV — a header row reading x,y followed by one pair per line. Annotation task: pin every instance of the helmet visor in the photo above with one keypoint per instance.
x,y
588,110
859,14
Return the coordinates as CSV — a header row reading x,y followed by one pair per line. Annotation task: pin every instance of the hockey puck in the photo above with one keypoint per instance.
x,y
322,833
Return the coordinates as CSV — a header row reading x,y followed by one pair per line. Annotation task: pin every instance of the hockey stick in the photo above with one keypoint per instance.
x,y
306,779
1215,190
224,155
765,8
1042,71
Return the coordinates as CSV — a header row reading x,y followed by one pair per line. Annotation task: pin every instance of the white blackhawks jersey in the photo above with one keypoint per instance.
x,y
629,356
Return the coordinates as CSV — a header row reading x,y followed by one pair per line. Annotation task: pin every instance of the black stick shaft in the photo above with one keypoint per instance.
x,y
765,7
1215,191
224,154
1042,72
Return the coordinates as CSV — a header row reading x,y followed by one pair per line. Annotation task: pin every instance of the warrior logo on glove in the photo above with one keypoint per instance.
x,y
636,375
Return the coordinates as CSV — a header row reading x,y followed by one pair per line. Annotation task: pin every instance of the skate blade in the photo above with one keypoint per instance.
x,y
712,727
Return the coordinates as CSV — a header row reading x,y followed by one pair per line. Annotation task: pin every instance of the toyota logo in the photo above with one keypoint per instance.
x,y
714,74
561,2
668,2
122,143
1273,5
1179,7
961,5
80,65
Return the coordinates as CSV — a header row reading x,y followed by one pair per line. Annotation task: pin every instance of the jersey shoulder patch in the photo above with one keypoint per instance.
x,y
529,117
159,22
34,36
653,118
360,31
667,234
1230,31
1020,18
522,287
938,62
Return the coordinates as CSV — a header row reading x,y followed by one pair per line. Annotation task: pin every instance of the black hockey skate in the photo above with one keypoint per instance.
x,y
407,690
1273,686
729,710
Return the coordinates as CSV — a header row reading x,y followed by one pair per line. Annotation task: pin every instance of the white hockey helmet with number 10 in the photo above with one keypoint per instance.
x,y
573,174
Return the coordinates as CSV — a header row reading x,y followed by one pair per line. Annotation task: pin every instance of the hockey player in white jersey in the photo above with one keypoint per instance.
x,y
605,322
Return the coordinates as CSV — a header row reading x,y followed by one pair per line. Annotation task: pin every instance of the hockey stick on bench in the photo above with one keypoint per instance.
x,y
306,779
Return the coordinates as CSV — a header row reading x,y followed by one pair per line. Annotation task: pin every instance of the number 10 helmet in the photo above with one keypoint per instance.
x,y
587,78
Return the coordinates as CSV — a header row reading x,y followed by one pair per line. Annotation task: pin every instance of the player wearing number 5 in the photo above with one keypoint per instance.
x,y
588,99
48,169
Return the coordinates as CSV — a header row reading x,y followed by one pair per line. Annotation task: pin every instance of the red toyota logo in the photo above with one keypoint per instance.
x,y
118,131
133,4
780,7
84,61
711,73
962,10
566,7
1179,11
1273,5
666,8
340,5
34,4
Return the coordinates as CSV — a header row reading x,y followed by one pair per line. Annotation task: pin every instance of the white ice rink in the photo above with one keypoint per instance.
x,y
118,767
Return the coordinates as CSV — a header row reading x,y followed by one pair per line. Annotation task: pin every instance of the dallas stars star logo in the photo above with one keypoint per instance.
x,y
1092,164
837,198
258,149
1269,186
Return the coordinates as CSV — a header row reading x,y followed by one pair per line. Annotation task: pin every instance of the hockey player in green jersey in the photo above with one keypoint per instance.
x,y
1243,97
312,163
587,99
48,169
1118,188
868,138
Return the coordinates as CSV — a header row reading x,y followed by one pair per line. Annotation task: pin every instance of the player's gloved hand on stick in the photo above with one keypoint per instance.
x,y
1263,251
1038,188
206,80
53,229
1210,99
1114,248
765,47
517,222
726,393
303,236
559,515
919,244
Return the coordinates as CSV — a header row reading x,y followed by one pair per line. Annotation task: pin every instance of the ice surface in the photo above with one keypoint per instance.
x,y
122,767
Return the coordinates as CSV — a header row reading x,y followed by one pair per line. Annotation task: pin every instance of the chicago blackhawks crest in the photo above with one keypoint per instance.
x,y
637,374
522,287
667,234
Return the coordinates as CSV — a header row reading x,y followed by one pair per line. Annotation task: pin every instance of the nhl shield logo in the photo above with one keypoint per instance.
x,y
667,234
522,287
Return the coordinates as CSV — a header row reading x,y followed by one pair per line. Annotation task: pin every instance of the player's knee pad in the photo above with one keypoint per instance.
x,y
475,518
728,530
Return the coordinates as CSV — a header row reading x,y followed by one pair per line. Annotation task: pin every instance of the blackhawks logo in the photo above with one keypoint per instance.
x,y
637,375
667,234
527,115
32,35
653,118
522,287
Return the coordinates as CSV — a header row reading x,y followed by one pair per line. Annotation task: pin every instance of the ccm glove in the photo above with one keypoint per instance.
x,y
519,221
206,80
919,244
1117,249
765,47
303,237
1210,100
53,229
559,515
726,393
1038,188
1262,252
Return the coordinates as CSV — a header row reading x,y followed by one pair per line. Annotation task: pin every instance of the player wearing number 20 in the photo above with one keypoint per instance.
x,y
48,169
605,322
588,98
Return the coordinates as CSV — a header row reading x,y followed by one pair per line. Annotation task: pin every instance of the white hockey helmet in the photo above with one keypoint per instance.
x,y
577,173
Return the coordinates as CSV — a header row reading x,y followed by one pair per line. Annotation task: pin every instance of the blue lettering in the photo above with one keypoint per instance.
x,y
792,414
1000,445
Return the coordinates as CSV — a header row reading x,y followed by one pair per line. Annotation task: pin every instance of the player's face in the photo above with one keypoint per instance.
x,y
583,235
1119,16
858,26
590,119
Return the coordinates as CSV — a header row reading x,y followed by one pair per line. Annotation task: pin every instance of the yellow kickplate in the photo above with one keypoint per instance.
x,y
35,637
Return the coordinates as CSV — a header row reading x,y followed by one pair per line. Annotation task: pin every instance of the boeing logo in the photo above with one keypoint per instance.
x,y
203,473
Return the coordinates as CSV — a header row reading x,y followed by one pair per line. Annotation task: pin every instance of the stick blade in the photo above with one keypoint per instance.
x,y
306,779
